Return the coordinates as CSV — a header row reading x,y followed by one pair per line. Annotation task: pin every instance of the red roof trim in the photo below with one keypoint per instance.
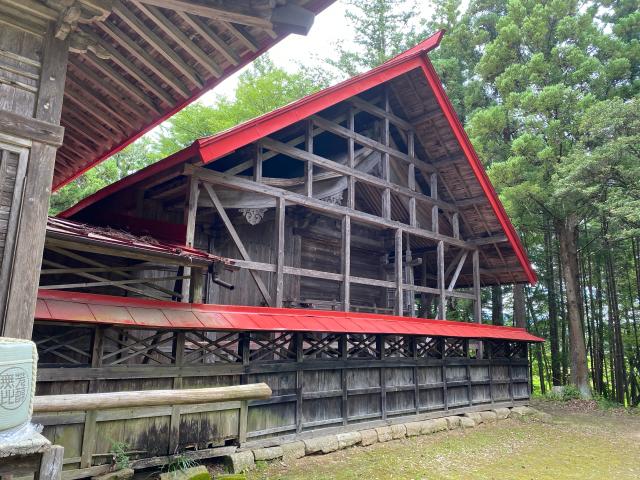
x,y
315,7
86,308
463,139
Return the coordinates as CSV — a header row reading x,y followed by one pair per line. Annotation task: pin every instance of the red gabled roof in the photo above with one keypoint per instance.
x,y
89,308
211,148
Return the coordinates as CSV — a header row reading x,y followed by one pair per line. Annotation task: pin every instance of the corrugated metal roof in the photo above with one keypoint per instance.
x,y
66,306
73,231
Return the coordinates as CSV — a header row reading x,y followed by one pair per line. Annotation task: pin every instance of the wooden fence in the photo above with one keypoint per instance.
x,y
319,381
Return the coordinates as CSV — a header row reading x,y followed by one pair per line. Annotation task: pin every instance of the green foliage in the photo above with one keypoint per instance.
x,y
120,455
261,89
382,30
569,392
179,463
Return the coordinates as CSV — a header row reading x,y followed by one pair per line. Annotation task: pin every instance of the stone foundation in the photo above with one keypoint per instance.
x,y
245,460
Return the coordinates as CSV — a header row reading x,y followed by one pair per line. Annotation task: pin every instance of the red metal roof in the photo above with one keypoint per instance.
x,y
221,144
89,308
73,231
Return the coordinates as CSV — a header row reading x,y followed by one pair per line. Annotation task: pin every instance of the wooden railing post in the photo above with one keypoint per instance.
x,y
174,423
89,432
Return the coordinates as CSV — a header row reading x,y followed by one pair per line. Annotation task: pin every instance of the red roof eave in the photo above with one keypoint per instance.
x,y
86,308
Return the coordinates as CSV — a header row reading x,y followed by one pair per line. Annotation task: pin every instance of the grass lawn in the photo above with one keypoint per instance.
x,y
579,444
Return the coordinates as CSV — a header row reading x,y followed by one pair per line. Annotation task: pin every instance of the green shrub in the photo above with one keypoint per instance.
x,y
120,455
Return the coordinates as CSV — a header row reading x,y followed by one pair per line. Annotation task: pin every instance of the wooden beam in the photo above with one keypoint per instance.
x,y
280,219
155,41
236,238
257,163
308,166
148,398
442,305
235,11
129,67
169,28
477,304
398,273
351,183
143,56
488,240
236,183
118,79
330,165
211,37
411,180
369,107
471,201
454,279
346,263
241,34
190,213
386,162
368,142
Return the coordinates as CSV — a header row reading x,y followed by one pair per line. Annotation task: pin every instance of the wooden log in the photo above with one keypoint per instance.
x,y
149,398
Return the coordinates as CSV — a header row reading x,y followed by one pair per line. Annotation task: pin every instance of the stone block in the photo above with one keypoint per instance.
x,y
413,429
453,422
541,416
193,473
384,434
240,461
268,453
326,444
520,412
369,437
428,426
398,431
348,439
475,416
124,474
489,417
502,413
467,422
440,424
293,450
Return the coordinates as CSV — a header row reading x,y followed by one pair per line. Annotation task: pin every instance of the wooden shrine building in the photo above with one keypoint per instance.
x,y
319,248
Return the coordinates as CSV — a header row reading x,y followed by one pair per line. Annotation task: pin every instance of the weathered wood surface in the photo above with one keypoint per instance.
x,y
319,381
148,398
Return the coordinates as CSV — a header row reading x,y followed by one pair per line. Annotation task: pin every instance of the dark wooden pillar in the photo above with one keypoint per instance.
x,y
29,121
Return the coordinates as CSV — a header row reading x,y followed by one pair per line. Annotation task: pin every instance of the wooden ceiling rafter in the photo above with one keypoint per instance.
x,y
192,49
145,59
211,37
154,40
118,79
106,87
100,130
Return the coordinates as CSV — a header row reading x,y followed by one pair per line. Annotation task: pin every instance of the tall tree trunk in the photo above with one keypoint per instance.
x,y
497,317
519,307
556,374
567,235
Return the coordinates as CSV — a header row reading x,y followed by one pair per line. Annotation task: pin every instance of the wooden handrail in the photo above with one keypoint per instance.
x,y
149,398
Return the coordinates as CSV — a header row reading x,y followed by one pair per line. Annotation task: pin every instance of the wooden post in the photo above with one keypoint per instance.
x,y
455,224
386,167
197,285
346,263
174,422
257,164
280,218
398,265
477,302
343,379
21,268
51,463
308,166
351,185
299,345
380,340
190,213
435,223
442,306
89,435
411,180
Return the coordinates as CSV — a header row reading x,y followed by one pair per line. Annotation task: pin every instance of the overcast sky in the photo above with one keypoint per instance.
x,y
329,27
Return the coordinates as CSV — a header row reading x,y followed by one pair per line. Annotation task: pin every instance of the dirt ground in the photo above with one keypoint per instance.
x,y
581,442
